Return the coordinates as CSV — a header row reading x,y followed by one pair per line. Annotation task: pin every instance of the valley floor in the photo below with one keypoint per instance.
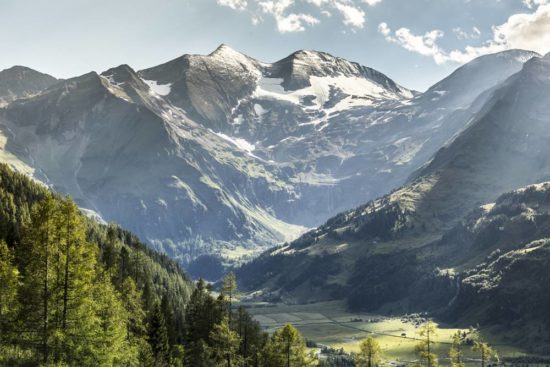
x,y
330,324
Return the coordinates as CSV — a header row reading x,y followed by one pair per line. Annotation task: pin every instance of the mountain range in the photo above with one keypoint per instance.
x,y
466,237
213,159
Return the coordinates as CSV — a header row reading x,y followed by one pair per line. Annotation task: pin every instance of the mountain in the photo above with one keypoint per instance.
x,y
223,155
20,82
416,247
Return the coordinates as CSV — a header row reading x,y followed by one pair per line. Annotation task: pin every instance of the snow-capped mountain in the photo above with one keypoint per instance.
x,y
411,248
223,154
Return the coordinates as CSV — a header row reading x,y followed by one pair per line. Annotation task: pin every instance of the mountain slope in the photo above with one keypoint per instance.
x,y
377,252
19,82
225,155
94,137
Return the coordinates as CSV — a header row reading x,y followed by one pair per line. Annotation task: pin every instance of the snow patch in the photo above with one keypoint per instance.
x,y
260,111
160,89
359,91
238,142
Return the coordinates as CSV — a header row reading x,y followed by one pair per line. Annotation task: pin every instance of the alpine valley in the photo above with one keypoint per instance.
x,y
214,159
317,179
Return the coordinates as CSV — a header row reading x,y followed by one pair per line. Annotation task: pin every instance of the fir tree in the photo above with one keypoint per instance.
x,y
369,353
158,337
424,348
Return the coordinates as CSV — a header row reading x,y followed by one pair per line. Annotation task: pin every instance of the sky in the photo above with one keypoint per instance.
x,y
415,42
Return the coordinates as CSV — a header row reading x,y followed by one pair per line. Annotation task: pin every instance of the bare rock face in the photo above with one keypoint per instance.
x,y
466,237
225,155
19,82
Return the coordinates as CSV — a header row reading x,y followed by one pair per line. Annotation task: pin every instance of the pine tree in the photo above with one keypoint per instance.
x,y
132,301
427,334
74,314
229,290
253,339
480,346
202,313
369,353
158,337
37,253
225,345
106,328
286,348
455,352
9,278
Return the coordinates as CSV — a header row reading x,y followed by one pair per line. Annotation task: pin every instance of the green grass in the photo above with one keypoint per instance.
x,y
328,323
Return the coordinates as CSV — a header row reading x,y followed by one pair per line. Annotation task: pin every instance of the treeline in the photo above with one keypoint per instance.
x,y
218,335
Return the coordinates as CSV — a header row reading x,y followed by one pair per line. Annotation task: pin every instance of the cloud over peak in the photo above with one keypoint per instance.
x,y
298,15
529,31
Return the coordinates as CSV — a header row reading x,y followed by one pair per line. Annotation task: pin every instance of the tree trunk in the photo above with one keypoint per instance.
x,y
66,280
45,320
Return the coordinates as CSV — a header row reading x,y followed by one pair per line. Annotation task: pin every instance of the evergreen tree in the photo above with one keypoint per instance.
x,y
480,346
9,278
107,343
252,338
455,353
60,277
369,353
286,348
427,334
37,253
229,290
225,345
158,337
202,313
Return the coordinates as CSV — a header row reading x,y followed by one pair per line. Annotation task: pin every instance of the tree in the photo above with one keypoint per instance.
x,y
106,334
158,337
72,311
455,352
38,253
424,347
229,289
225,345
61,279
369,353
252,338
201,314
9,278
486,353
286,348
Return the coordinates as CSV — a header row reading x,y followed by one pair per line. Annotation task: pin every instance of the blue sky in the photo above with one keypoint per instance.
x,y
415,42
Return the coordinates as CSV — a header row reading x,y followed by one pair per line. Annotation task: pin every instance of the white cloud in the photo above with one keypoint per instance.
x,y
372,2
294,22
352,15
384,29
531,3
464,35
289,19
233,4
525,31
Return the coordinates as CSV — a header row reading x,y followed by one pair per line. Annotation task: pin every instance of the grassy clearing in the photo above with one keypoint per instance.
x,y
329,323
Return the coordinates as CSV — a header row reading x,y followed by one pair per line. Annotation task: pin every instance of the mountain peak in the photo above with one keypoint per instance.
x,y
226,51
120,73
21,81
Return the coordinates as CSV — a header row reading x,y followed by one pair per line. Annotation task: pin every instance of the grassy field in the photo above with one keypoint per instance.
x,y
329,323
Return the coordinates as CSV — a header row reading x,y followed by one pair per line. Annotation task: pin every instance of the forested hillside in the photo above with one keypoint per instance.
x,y
78,293
74,291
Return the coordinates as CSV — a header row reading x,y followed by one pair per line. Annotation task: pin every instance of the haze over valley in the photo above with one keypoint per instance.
x,y
217,209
